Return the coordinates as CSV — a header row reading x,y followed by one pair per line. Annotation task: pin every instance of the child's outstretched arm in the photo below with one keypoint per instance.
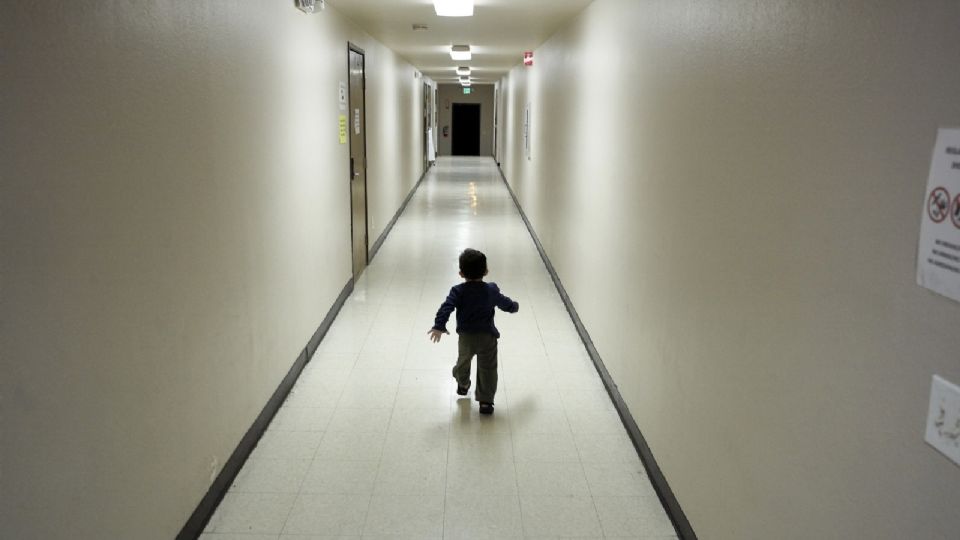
x,y
506,304
443,314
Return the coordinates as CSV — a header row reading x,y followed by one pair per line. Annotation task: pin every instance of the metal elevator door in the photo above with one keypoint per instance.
x,y
358,160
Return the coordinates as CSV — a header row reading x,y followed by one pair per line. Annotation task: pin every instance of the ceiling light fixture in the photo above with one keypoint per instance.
x,y
460,52
311,6
463,70
453,8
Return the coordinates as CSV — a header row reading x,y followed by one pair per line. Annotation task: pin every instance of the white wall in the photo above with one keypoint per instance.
x,y
395,141
731,192
174,228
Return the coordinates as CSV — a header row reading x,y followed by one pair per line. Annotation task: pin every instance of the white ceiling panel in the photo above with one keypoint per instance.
x,y
498,33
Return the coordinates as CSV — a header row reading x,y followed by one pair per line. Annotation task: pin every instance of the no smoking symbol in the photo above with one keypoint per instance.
x,y
955,212
939,205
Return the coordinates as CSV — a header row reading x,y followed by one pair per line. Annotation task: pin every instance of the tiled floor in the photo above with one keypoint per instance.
x,y
374,442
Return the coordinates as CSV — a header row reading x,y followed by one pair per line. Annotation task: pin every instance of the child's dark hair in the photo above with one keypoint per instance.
x,y
473,264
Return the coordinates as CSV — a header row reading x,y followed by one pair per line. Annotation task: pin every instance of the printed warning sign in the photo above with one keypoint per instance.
x,y
937,206
938,256
955,212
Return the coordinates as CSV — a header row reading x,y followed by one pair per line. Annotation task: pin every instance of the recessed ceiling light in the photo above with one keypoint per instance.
x,y
460,52
463,70
453,8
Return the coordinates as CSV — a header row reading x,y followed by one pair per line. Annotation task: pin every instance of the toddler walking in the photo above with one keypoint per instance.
x,y
474,301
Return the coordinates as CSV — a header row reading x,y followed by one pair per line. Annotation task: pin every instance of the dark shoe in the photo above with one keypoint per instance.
x,y
486,408
462,390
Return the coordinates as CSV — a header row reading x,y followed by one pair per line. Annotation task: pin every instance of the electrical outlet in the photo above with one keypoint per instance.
x,y
943,419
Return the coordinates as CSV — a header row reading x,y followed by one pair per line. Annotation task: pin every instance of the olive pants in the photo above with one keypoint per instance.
x,y
484,346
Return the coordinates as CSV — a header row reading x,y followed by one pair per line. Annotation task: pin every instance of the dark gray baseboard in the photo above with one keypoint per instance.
x,y
386,231
218,489
670,503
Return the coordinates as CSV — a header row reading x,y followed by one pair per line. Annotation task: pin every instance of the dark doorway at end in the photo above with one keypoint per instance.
x,y
466,129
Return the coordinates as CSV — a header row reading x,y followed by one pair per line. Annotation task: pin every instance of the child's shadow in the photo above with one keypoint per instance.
x,y
466,411
518,414
464,406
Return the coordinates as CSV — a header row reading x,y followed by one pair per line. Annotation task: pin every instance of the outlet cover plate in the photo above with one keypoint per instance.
x,y
943,419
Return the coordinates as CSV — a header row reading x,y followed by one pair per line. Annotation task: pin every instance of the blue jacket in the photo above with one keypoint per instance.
x,y
474,302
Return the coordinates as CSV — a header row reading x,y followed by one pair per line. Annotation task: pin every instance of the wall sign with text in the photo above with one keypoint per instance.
x,y
938,256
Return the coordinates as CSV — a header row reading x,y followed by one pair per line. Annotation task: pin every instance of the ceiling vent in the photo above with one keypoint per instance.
x,y
418,27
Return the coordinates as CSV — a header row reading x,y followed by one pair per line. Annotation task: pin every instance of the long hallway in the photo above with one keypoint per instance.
x,y
374,441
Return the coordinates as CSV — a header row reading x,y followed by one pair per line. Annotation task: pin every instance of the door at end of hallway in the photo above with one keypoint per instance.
x,y
466,129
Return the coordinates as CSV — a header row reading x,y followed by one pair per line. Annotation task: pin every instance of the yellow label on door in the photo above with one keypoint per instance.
x,y
343,129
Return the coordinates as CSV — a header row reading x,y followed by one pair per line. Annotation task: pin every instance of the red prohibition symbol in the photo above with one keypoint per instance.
x,y
955,212
939,205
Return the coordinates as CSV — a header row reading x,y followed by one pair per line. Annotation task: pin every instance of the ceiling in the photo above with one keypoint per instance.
x,y
498,33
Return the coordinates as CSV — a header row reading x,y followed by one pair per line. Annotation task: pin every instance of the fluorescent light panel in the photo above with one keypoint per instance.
x,y
453,8
460,52
463,70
